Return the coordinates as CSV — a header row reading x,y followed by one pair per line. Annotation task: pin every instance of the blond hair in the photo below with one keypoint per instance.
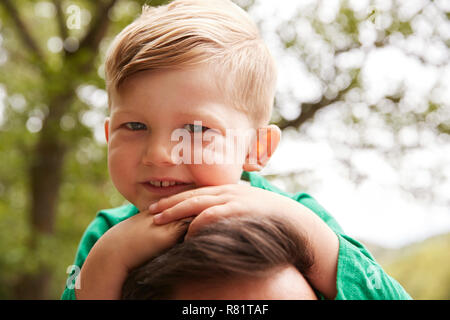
x,y
186,33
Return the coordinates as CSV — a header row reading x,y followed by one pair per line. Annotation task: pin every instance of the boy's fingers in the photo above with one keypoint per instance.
x,y
188,208
206,217
171,201
186,222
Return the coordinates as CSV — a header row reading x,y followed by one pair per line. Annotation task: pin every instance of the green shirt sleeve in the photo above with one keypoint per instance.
x,y
359,276
93,232
103,221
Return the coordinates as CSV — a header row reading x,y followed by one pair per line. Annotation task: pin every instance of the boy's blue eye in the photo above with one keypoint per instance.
x,y
195,128
135,126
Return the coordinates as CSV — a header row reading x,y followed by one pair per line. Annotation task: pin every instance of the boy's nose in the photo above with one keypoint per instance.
x,y
158,153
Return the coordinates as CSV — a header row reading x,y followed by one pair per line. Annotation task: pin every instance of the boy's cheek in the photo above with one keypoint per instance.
x,y
215,175
212,156
217,167
120,168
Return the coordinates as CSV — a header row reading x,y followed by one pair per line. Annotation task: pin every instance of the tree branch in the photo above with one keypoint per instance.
x,y
60,19
98,26
310,109
24,33
93,37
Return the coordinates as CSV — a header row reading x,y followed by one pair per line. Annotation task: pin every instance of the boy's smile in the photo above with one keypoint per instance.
x,y
145,112
166,186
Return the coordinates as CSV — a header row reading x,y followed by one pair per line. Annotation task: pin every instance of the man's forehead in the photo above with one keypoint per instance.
x,y
284,282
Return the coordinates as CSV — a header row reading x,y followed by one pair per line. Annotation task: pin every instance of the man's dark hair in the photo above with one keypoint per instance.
x,y
229,248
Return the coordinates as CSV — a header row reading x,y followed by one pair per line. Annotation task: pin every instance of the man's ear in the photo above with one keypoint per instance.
x,y
107,129
262,148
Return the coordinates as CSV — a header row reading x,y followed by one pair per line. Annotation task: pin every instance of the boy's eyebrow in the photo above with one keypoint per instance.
x,y
125,112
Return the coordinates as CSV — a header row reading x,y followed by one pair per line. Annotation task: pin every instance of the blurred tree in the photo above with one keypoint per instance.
x,y
53,174
337,43
49,60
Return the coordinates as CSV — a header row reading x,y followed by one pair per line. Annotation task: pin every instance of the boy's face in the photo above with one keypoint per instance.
x,y
145,113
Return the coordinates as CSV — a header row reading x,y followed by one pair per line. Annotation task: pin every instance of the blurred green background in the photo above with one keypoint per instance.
x,y
53,173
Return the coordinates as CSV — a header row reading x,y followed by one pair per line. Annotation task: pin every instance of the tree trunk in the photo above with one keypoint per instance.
x,y
45,180
45,172
46,176
47,159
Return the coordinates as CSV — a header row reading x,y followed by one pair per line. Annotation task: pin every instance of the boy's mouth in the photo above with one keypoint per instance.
x,y
167,186
164,184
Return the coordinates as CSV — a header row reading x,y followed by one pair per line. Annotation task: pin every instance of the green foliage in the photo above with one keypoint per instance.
x,y
31,85
347,20
444,128
404,27
85,190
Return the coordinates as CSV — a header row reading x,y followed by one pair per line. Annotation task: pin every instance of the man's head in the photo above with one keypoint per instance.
x,y
192,61
253,258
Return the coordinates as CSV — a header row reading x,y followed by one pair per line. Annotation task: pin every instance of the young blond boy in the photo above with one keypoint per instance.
x,y
178,65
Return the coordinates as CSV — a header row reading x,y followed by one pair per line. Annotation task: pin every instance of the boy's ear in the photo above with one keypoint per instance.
x,y
262,148
107,129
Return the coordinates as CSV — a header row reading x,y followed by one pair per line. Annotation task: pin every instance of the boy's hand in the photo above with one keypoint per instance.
x,y
122,248
214,202
137,239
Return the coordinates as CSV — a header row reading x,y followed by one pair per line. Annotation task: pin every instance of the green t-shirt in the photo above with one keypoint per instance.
x,y
359,276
